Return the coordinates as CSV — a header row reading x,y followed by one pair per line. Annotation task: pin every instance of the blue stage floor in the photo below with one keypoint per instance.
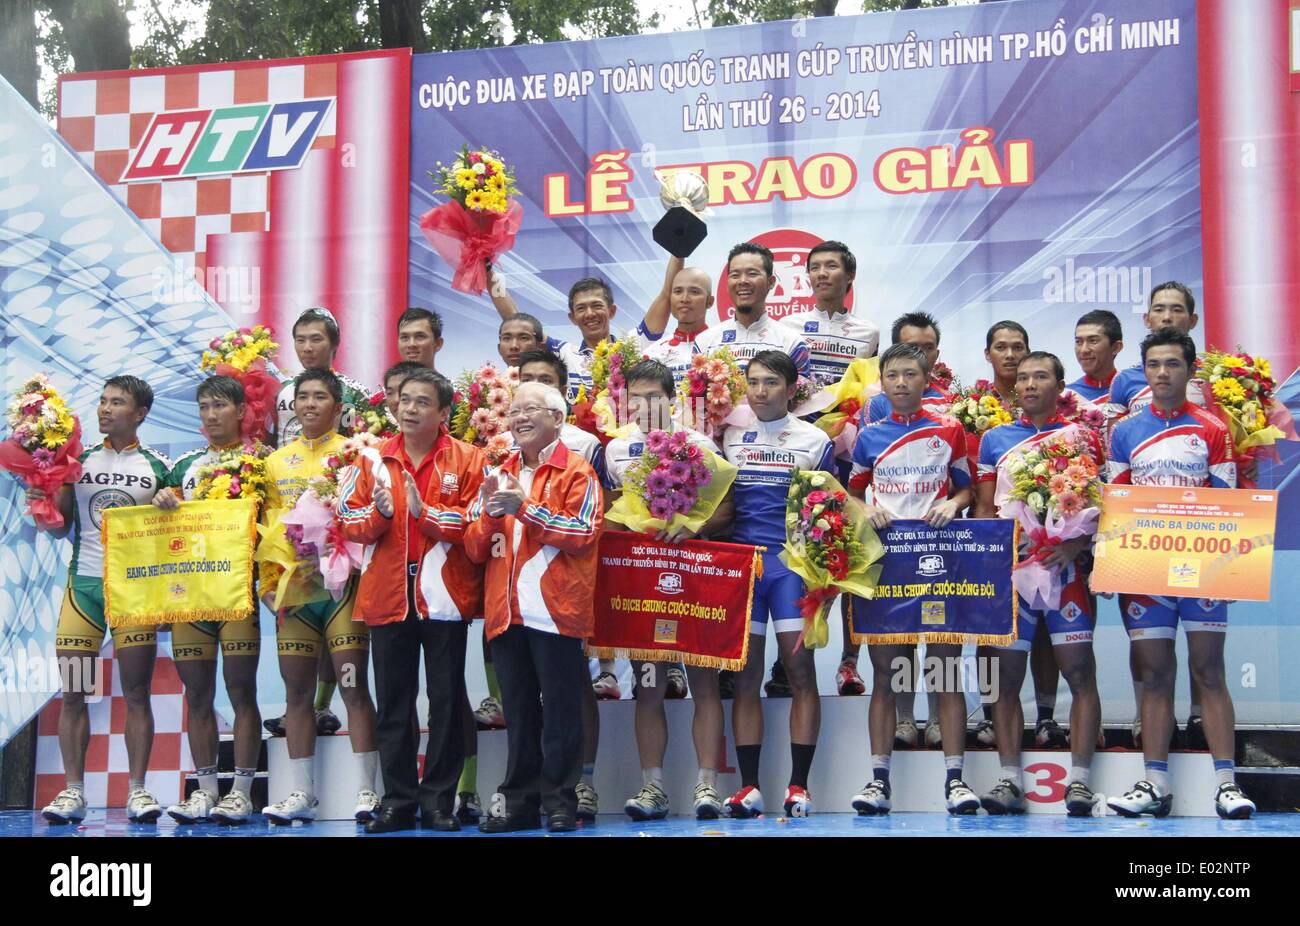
x,y
113,823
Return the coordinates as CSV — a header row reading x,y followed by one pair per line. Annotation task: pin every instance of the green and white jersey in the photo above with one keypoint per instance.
x,y
184,474
110,479
356,396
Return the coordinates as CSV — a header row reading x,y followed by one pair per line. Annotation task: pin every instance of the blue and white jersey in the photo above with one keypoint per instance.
x,y
1095,391
834,341
764,334
1189,447
767,453
622,452
906,465
577,356
934,400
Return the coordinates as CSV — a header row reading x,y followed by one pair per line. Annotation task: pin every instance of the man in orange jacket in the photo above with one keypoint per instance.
x,y
535,524
407,502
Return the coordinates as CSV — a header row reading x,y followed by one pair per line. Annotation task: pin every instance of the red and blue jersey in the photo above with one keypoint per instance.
x,y
908,464
999,443
1129,392
933,400
1188,447
1095,391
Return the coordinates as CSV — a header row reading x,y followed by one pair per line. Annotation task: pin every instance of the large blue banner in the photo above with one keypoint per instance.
x,y
943,585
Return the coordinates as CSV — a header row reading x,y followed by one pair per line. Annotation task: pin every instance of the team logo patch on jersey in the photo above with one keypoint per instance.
x,y
107,498
1071,612
293,460
635,450
930,565
1207,604
1195,442
670,583
810,326
728,337
450,483
1136,611
749,437
934,445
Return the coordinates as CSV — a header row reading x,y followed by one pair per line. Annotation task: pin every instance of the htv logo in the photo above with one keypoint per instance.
x,y
228,140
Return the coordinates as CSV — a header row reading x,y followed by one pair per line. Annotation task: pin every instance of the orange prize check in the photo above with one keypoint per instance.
x,y
1186,542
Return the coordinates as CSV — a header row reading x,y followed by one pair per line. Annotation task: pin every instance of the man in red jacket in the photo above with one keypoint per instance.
x,y
407,502
535,524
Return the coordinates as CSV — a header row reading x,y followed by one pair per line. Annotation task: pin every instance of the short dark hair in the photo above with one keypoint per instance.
x,y
1166,337
441,385
749,247
545,356
417,314
141,393
586,284
1178,287
654,371
1057,367
903,351
221,387
532,320
779,362
921,320
317,375
1105,319
403,369
836,247
319,314
1007,325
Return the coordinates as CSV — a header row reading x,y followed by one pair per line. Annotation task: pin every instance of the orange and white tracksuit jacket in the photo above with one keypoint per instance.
x,y
541,563
448,585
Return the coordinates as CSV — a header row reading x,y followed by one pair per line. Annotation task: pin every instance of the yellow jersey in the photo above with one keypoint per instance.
x,y
289,469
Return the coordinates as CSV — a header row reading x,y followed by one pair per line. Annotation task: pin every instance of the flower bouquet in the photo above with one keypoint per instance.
x,y
482,400
374,418
237,473
43,447
480,222
941,376
610,360
673,484
1074,408
710,391
243,354
978,409
830,545
848,397
1055,495
1238,389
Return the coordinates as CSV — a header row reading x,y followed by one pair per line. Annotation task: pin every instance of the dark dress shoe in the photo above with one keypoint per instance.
x,y
511,824
442,822
391,821
561,822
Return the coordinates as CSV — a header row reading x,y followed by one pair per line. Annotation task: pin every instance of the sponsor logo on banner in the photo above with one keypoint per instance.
x,y
792,292
665,631
176,546
670,583
177,590
249,138
1185,573
930,565
933,612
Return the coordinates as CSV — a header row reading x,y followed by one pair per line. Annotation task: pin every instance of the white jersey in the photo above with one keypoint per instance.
x,y
577,357
767,453
834,341
110,480
764,334
622,452
675,352
184,475
287,428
